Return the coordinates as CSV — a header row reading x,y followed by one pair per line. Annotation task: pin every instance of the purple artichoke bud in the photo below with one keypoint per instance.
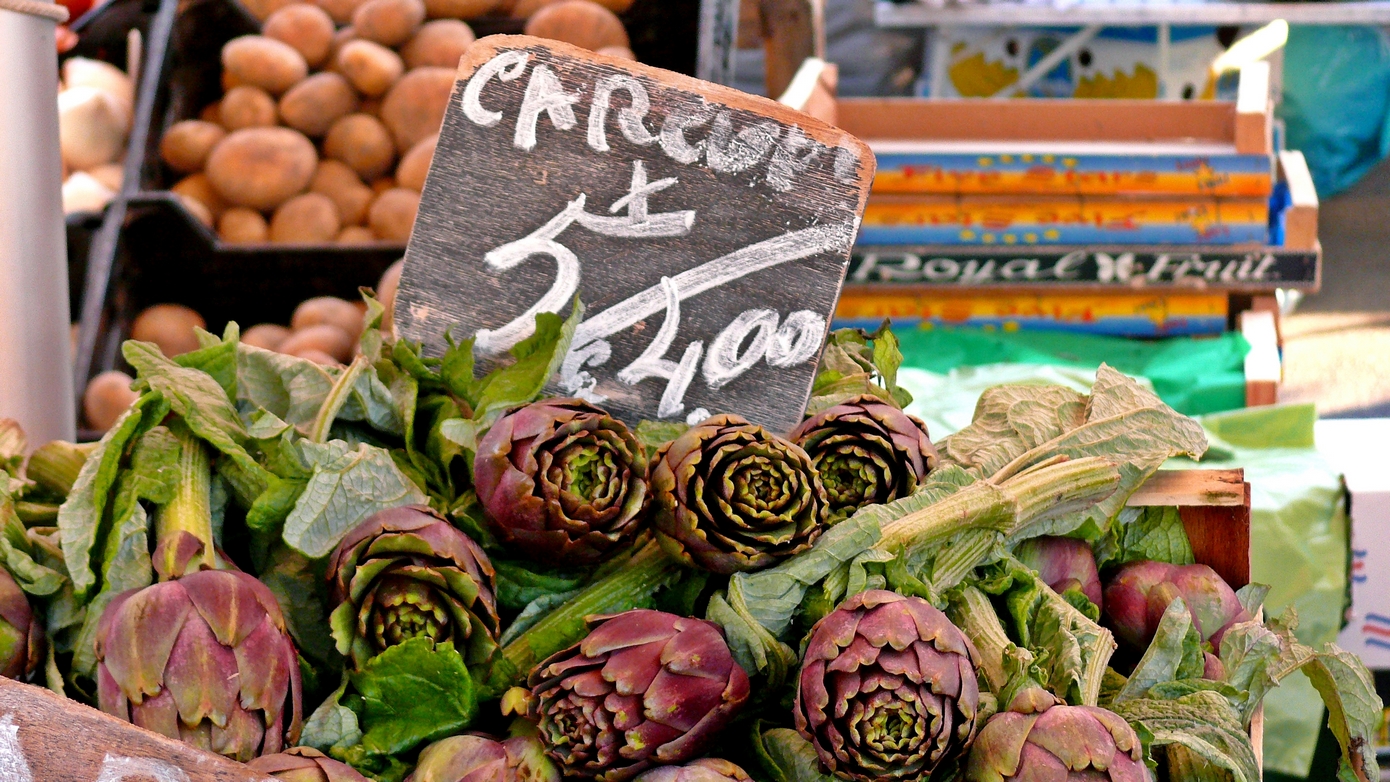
x,y
702,770
21,633
1063,563
731,497
406,573
868,451
1212,667
1039,738
562,481
204,658
887,688
1140,592
473,758
305,764
643,688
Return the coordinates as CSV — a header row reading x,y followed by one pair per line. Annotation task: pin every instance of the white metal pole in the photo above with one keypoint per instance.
x,y
36,385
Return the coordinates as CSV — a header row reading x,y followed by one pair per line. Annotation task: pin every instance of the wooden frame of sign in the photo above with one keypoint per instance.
x,y
706,231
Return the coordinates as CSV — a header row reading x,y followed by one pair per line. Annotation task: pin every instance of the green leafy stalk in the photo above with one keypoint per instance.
x,y
190,511
55,466
634,585
337,397
971,611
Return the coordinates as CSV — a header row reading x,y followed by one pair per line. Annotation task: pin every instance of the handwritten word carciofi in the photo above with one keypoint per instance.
x,y
788,151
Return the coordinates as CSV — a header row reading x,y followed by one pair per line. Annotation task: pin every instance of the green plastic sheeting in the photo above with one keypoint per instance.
x,y
1299,528
1193,375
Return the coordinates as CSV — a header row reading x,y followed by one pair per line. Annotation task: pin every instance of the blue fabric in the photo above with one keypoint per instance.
x,y
1336,97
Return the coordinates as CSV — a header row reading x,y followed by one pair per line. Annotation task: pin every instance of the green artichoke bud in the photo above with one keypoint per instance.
x,y
21,632
305,764
643,688
1039,738
702,770
407,573
887,688
732,497
561,481
481,759
867,451
204,658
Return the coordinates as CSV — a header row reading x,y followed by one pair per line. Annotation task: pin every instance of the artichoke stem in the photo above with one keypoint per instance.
x,y
55,465
1058,489
972,612
191,509
634,585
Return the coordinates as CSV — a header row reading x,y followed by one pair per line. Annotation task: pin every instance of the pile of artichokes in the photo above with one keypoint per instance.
x,y
407,569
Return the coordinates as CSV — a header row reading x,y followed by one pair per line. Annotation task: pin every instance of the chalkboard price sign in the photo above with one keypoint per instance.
x,y
706,231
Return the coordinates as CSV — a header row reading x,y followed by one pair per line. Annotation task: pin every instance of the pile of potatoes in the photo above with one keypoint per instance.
x,y
329,117
324,329
95,105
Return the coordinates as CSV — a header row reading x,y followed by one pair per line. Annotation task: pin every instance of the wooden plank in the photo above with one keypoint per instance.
x,y
1220,538
45,737
1213,488
793,30
1254,111
813,90
1301,217
706,231
1039,120
1264,368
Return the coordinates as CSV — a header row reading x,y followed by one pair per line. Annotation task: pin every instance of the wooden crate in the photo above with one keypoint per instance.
x,y
53,739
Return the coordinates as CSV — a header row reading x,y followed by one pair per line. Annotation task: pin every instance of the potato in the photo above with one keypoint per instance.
x,y
415,164
104,77
263,9
356,234
336,180
621,52
329,310
317,356
111,175
170,326
460,9
388,22
414,108
392,215
186,144
91,127
323,337
584,23
363,143
83,192
265,335
340,10
247,107
108,395
369,66
305,219
263,62
199,188
386,293
307,28
261,168
313,105
342,36
240,225
440,43
199,210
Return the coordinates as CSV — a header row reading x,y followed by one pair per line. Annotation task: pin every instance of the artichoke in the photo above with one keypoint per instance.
x,y
732,497
305,764
643,688
1063,564
1039,738
1140,592
203,658
887,688
868,452
21,632
561,481
702,770
481,759
407,573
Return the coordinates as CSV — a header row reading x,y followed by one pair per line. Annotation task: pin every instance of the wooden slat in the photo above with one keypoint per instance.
x,y
1219,488
1301,218
45,737
793,30
1254,110
1220,538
